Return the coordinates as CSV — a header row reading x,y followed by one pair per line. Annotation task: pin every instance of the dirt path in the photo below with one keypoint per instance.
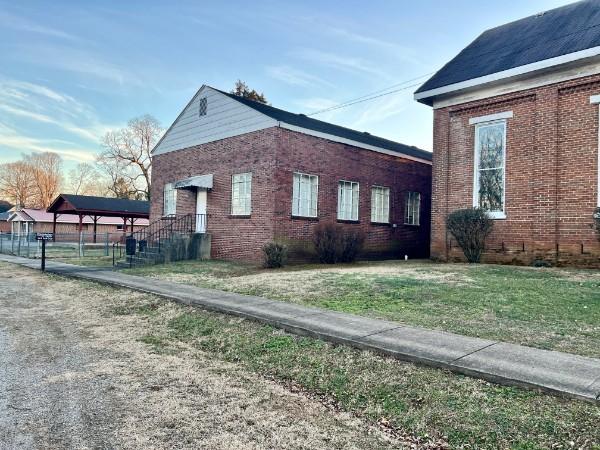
x,y
74,376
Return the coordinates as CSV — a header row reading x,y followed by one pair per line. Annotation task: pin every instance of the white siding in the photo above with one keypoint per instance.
x,y
224,118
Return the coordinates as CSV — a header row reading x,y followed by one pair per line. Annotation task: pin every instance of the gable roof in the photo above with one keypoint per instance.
x,y
554,37
319,126
189,129
42,216
101,205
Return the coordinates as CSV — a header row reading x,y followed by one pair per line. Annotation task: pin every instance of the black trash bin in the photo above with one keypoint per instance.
x,y
142,245
130,243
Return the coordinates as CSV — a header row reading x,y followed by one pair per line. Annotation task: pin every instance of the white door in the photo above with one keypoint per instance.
x,y
201,211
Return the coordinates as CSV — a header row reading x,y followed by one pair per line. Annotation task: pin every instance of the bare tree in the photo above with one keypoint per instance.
x,y
46,171
84,179
16,183
241,89
126,156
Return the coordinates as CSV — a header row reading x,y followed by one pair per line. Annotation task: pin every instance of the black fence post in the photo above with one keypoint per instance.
x,y
44,255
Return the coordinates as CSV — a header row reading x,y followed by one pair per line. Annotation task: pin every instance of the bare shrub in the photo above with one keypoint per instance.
x,y
275,255
470,227
335,244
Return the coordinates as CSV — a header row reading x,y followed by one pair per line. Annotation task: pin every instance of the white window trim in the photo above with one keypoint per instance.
x,y
317,196
406,206
492,214
244,213
595,100
357,202
172,186
491,117
377,186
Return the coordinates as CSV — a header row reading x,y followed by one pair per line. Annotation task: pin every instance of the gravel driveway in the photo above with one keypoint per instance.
x,y
72,375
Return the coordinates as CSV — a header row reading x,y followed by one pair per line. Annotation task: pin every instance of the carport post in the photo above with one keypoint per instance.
x,y
80,235
95,219
106,244
54,228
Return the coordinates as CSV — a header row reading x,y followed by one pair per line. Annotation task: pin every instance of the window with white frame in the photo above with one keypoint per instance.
x,y
305,194
169,200
490,160
241,194
380,204
412,213
348,200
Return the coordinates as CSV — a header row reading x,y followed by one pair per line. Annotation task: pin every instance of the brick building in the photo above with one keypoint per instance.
x,y
516,132
262,174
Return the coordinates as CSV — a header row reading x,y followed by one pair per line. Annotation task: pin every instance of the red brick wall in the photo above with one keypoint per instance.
x,y
272,156
551,174
333,162
232,237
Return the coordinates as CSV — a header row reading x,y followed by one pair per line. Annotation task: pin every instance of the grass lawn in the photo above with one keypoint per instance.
x,y
556,309
427,407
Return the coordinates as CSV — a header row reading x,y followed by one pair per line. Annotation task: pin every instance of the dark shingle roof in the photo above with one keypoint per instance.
x,y
4,216
302,121
91,203
557,32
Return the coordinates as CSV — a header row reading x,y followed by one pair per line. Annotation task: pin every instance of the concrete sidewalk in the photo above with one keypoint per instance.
x,y
516,365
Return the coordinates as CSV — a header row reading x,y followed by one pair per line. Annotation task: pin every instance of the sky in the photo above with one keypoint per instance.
x,y
72,70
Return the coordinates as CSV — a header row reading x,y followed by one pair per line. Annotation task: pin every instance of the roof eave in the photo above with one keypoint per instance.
x,y
427,97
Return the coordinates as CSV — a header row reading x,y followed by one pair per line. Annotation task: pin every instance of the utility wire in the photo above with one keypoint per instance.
x,y
372,95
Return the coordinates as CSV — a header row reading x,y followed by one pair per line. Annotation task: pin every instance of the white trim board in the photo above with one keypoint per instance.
x,y
491,117
341,140
595,100
546,64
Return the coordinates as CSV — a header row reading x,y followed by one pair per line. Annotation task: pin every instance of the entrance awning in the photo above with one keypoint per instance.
x,y
203,182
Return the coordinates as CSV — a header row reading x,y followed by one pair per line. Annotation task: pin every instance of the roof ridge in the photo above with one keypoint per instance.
x,y
260,106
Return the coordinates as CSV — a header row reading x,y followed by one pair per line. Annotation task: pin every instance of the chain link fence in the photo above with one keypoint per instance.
x,y
83,247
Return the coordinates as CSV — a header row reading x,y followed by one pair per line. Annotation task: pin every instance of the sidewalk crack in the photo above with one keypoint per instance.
x,y
474,351
380,331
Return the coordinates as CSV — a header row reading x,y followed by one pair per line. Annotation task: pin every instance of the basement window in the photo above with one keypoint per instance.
x,y
202,106
490,156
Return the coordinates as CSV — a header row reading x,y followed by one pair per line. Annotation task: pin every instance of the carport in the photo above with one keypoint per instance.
x,y
96,207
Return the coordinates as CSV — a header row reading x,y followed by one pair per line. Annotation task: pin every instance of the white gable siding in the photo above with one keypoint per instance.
x,y
224,118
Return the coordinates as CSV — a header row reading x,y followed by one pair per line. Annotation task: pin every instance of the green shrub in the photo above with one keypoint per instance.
x,y
470,227
335,244
275,255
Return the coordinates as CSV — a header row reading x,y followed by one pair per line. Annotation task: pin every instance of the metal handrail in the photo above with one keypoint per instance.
x,y
164,228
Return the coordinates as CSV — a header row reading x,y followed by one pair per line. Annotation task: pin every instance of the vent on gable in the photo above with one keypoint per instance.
x,y
202,106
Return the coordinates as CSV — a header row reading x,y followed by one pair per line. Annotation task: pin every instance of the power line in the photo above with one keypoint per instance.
x,y
372,95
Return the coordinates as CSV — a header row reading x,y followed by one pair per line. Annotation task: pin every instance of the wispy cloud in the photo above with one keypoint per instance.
x,y
402,52
345,63
295,77
12,139
315,103
42,104
8,20
377,111
79,62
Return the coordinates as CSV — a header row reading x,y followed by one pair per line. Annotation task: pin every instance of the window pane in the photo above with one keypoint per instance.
x,y
304,195
491,145
490,173
241,190
491,189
